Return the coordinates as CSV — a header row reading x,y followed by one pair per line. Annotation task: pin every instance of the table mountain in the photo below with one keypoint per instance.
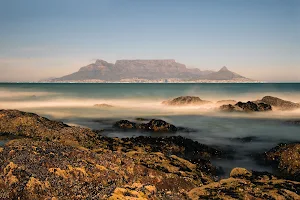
x,y
145,69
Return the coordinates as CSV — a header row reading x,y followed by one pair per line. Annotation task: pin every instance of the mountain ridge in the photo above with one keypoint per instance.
x,y
146,70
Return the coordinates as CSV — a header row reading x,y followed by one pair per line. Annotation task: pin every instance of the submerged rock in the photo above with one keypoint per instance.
x,y
103,105
185,101
246,107
280,103
246,139
155,125
293,122
285,158
244,184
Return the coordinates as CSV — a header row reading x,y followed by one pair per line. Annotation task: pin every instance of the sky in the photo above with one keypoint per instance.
x,y
259,39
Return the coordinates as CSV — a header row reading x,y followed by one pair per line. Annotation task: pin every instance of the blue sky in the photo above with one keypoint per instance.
x,y
259,39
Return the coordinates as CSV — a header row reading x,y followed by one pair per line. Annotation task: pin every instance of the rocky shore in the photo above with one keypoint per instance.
x,y
45,159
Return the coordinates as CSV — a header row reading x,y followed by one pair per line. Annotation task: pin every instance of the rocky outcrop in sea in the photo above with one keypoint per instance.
x,y
246,107
185,101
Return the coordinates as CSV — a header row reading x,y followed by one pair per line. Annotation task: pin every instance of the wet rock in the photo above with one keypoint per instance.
x,y
246,139
293,122
246,107
103,105
125,124
185,148
280,103
155,125
285,158
185,101
158,125
244,184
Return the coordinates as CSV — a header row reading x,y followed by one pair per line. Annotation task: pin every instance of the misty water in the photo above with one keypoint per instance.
x,y
74,105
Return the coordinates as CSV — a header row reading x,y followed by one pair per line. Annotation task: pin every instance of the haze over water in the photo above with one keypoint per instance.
x,y
74,105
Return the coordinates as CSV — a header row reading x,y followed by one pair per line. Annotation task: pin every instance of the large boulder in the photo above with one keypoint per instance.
x,y
280,103
155,125
185,101
125,124
246,107
158,125
285,158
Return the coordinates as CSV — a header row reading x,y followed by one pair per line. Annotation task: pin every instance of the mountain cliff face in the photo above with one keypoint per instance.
x,y
145,69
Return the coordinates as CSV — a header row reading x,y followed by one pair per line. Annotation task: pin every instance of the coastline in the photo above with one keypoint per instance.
x,y
48,156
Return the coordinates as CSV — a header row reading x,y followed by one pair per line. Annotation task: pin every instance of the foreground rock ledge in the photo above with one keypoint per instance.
x,y
53,160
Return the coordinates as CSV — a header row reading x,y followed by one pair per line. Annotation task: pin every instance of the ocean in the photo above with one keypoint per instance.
x,y
74,104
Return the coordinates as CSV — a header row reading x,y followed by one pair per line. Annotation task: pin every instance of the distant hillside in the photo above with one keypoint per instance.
x,y
222,74
146,70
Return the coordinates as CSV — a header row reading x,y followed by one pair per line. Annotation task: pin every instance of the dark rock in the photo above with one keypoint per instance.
x,y
158,125
280,103
229,108
285,158
293,122
185,100
155,125
185,148
246,107
125,124
246,139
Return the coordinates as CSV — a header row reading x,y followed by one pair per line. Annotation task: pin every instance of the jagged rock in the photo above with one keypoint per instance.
x,y
155,125
125,124
285,158
158,125
103,105
246,107
280,103
185,100
244,184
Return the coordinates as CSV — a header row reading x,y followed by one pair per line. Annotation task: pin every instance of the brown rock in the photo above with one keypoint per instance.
x,y
185,101
280,103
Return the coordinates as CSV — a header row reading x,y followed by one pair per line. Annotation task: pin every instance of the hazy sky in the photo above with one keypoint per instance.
x,y
259,39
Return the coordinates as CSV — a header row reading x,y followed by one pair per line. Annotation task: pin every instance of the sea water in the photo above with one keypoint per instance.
x,y
74,105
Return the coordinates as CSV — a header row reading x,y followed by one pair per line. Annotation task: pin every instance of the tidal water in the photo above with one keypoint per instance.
x,y
74,105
